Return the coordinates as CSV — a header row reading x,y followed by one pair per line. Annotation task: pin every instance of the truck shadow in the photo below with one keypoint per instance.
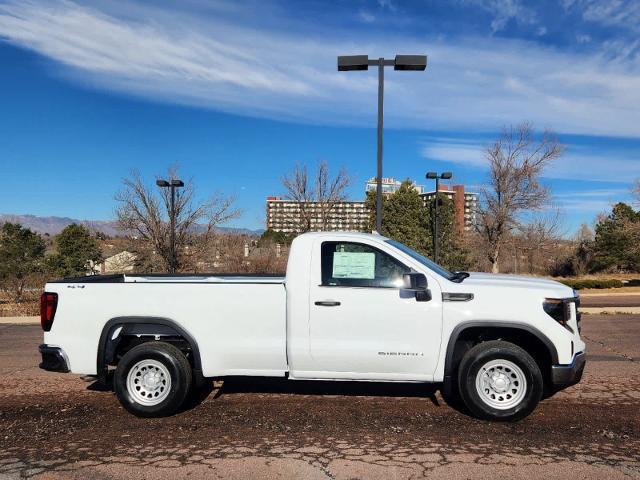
x,y
269,385
239,385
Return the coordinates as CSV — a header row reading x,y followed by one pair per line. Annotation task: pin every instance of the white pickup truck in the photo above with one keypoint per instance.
x,y
352,306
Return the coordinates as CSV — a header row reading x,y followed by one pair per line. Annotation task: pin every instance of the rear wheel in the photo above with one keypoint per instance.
x,y
499,381
153,379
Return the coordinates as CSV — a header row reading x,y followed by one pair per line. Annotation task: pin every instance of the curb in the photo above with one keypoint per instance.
x,y
19,320
610,310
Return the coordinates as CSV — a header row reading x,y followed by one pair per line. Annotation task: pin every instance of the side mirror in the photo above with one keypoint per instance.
x,y
416,282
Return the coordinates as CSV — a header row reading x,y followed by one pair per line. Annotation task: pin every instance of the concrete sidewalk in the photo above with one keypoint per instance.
x,y
20,320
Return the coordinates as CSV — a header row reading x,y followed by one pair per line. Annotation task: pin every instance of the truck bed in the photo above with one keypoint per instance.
x,y
239,321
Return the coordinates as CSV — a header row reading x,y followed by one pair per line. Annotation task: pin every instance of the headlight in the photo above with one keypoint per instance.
x,y
557,309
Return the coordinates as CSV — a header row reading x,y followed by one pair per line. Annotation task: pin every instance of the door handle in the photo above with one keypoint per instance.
x,y
328,303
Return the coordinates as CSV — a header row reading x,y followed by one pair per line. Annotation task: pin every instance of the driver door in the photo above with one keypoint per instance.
x,y
363,324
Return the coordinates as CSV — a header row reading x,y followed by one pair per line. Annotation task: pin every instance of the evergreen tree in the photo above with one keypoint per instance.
x,y
76,251
451,251
406,219
617,238
21,256
270,236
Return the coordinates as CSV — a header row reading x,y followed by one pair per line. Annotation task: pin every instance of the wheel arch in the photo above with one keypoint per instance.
x,y
135,325
521,329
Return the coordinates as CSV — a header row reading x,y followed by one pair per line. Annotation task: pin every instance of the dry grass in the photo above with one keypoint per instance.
x,y
29,306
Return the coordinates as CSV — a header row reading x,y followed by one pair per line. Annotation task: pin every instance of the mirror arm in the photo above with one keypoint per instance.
x,y
423,295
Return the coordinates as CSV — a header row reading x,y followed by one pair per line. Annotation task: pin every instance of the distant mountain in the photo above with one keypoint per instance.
x,y
54,225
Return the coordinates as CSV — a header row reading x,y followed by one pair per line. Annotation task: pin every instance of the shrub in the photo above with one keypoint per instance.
x,y
592,283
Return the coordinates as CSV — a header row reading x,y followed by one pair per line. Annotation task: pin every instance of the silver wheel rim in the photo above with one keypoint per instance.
x,y
148,382
501,384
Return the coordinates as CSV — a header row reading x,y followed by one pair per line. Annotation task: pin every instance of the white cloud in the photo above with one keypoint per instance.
x,y
619,13
590,201
366,17
606,167
598,193
504,11
585,206
207,62
583,38
455,151
577,163
390,4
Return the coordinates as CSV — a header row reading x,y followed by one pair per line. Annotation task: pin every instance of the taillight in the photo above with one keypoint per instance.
x,y
48,305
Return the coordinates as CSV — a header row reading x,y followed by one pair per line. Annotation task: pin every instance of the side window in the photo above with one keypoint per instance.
x,y
358,265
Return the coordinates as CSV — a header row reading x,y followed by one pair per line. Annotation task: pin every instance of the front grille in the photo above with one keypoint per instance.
x,y
576,302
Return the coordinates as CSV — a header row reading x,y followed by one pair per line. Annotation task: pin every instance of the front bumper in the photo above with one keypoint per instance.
x,y
566,375
53,359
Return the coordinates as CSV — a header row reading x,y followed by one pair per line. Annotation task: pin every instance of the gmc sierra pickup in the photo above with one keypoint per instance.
x,y
352,306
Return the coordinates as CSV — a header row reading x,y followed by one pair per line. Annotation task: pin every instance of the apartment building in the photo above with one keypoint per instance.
x,y
389,185
465,203
289,216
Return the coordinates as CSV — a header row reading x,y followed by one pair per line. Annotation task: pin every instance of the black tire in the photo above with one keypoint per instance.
x,y
495,350
175,364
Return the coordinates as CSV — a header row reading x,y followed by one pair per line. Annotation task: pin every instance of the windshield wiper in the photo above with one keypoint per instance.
x,y
458,277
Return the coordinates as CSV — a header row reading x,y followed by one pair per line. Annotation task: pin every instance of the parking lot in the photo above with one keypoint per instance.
x,y
62,426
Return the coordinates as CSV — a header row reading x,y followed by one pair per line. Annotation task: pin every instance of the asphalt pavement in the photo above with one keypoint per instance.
x,y
64,426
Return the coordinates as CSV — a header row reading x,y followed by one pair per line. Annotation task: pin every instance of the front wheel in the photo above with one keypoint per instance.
x,y
153,379
500,381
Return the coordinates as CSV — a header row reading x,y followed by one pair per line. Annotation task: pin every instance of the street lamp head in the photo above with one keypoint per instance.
x,y
432,175
162,183
353,62
410,62
177,183
446,175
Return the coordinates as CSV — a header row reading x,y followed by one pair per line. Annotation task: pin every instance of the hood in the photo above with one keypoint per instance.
x,y
502,280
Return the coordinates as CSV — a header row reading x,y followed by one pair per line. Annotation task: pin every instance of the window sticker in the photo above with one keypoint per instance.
x,y
354,265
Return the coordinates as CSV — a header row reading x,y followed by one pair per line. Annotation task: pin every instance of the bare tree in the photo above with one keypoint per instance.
x,y
635,191
239,253
582,256
316,197
539,237
145,212
516,162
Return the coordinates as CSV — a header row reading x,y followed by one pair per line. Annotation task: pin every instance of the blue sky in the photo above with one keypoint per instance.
x,y
236,92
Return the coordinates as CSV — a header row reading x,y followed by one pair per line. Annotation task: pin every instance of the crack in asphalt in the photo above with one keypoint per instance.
x,y
224,429
607,348
405,454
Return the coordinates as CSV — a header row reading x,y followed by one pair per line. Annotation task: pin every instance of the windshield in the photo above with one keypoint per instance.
x,y
422,259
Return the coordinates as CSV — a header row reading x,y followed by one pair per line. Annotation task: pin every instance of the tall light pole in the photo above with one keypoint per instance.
x,y
172,185
430,176
362,62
